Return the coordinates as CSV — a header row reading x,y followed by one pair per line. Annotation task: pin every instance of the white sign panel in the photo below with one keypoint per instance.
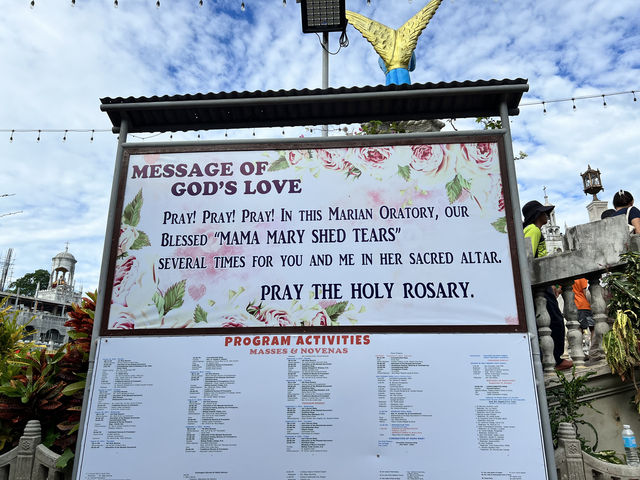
x,y
325,406
401,235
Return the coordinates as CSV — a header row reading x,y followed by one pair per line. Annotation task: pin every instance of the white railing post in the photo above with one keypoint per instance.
x,y
599,310
569,453
29,440
574,334
543,320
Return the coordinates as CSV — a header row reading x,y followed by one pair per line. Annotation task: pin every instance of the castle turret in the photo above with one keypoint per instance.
x,y
61,282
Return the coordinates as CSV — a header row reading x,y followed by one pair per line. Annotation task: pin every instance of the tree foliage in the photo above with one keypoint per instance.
x,y
621,343
29,283
45,386
489,123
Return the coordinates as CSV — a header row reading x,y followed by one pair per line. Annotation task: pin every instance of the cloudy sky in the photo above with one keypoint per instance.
x,y
57,61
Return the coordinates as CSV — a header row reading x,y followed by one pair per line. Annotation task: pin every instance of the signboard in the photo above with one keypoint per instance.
x,y
399,348
313,406
408,235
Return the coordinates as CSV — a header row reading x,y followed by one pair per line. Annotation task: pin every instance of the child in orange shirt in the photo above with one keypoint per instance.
x,y
585,317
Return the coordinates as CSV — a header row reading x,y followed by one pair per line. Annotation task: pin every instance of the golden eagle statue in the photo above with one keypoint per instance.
x,y
395,47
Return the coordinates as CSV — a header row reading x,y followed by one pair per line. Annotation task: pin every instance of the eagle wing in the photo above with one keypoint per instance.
x,y
380,36
408,33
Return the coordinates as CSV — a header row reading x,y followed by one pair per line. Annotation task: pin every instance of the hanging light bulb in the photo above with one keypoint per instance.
x,y
634,96
158,4
544,108
574,104
115,3
33,3
11,137
38,139
64,139
604,102
91,139
242,6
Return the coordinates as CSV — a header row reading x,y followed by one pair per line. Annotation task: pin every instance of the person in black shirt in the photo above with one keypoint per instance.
x,y
623,203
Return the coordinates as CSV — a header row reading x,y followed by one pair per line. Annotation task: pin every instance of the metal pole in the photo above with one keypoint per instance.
x,y
106,254
325,72
528,297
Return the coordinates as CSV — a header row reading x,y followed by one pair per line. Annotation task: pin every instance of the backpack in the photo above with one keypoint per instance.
x,y
632,229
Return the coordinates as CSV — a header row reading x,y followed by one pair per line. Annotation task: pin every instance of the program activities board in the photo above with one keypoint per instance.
x,y
314,406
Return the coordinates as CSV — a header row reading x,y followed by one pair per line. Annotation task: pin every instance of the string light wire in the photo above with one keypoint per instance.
x,y
573,99
93,131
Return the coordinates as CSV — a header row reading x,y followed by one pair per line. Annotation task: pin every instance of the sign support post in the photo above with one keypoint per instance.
x,y
101,299
528,297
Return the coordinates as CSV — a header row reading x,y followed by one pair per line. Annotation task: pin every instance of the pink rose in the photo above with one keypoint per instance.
x,y
321,319
124,279
231,322
128,236
273,317
431,159
483,155
330,159
125,321
121,319
237,320
374,156
499,192
295,157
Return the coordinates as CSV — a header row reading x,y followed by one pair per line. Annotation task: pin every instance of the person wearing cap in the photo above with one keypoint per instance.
x,y
535,216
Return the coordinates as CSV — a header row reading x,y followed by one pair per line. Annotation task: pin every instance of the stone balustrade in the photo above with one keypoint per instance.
x,y
31,460
591,250
574,464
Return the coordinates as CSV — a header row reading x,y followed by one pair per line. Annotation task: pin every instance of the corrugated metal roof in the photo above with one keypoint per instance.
x,y
284,108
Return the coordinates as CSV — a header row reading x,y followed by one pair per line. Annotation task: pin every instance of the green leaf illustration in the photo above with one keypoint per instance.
x,y
335,310
279,164
141,241
159,301
131,215
174,296
199,315
253,309
456,186
404,172
500,225
354,172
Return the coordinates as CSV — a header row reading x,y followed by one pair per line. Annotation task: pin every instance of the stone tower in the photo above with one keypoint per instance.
x,y
551,230
61,283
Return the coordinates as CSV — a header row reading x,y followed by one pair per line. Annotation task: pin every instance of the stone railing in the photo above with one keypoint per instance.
x,y
31,460
591,250
574,464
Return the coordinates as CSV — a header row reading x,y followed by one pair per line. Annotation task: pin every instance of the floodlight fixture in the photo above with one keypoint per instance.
x,y
323,16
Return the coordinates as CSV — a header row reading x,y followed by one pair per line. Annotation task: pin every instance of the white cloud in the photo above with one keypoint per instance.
x,y
57,62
